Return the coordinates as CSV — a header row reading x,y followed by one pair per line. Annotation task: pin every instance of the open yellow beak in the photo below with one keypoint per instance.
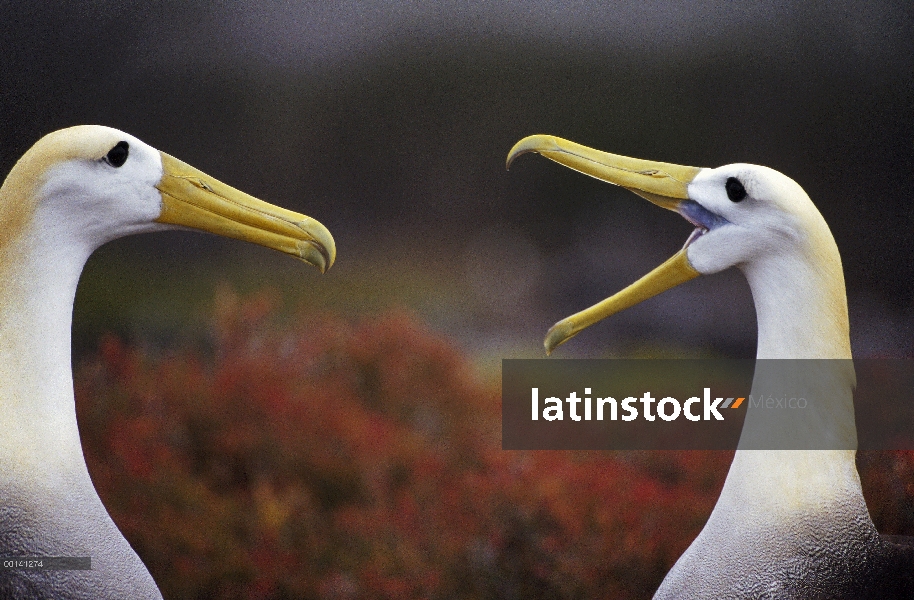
x,y
664,184
191,198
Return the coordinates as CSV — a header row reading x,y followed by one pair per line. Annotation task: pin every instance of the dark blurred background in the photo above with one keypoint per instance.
x,y
301,442
390,123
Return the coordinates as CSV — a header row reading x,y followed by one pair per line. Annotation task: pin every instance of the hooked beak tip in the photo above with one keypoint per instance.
x,y
531,143
557,335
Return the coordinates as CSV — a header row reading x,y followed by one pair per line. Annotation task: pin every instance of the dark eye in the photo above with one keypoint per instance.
x,y
117,156
735,190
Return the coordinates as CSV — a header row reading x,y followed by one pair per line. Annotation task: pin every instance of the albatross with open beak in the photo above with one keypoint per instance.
x,y
74,190
788,523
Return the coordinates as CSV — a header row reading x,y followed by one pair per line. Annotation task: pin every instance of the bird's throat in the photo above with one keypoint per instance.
x,y
37,408
803,349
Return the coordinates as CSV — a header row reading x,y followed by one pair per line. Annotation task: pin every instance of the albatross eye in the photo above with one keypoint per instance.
x,y
117,156
735,190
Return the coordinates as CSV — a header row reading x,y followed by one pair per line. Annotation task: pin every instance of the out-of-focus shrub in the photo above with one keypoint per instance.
x,y
321,459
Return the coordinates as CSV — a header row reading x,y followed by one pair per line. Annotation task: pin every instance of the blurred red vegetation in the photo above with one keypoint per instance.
x,y
320,459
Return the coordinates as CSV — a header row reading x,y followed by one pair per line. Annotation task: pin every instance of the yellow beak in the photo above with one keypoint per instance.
x,y
191,198
664,184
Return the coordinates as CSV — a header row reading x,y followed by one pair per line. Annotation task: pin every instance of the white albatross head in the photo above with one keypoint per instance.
x,y
74,190
745,212
86,185
745,216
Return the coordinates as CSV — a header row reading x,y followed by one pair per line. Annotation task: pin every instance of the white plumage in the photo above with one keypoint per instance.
x,y
70,193
788,523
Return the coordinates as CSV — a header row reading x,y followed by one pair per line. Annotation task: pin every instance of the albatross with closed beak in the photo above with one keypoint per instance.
x,y
74,190
789,523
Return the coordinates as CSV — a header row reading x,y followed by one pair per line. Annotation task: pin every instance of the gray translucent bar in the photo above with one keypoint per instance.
x,y
705,404
46,563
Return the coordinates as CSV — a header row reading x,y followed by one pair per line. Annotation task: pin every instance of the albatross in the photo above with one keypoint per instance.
x,y
74,190
789,523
